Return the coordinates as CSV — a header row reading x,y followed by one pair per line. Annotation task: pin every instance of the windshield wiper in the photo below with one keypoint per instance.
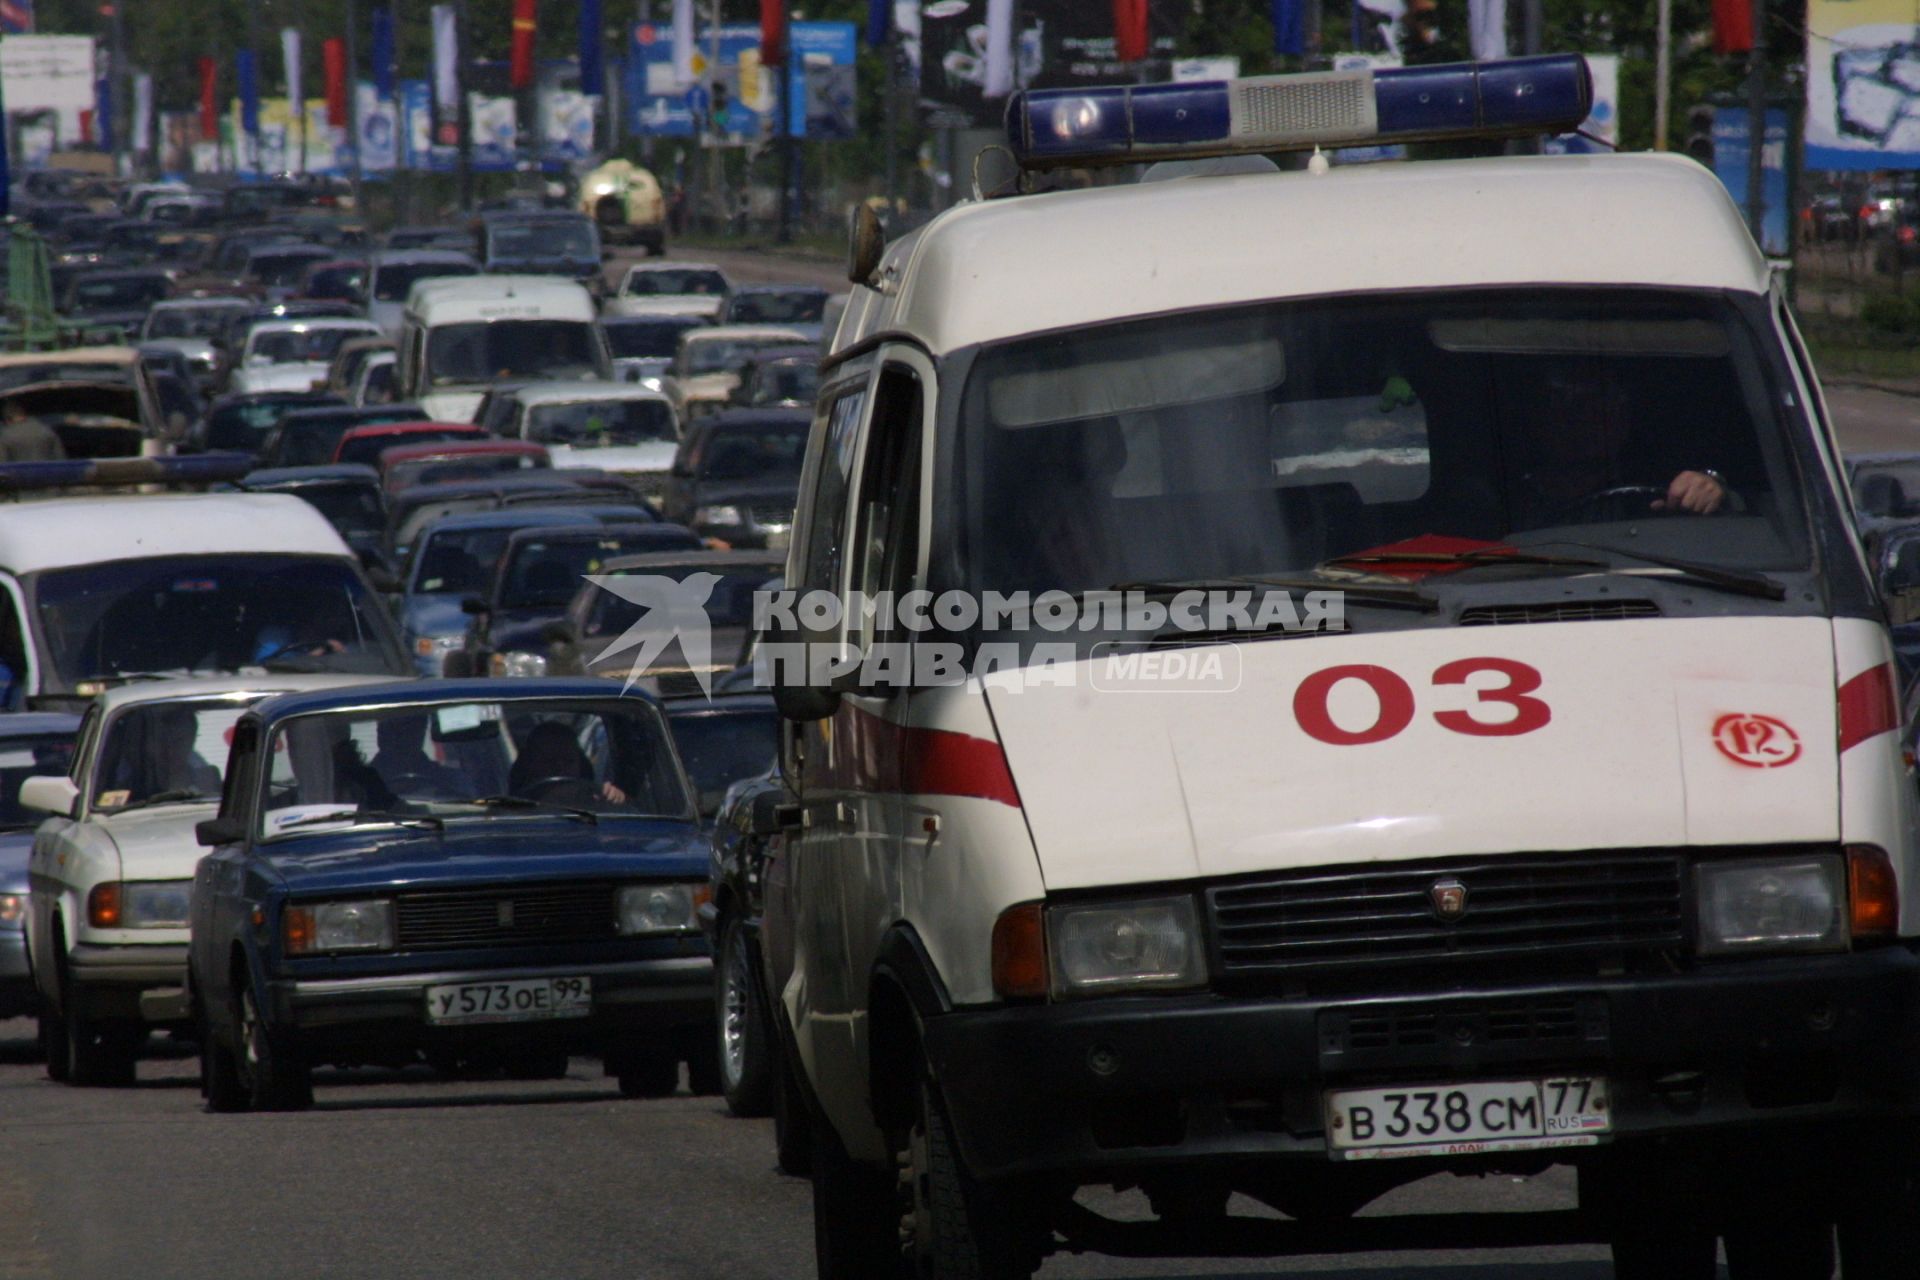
x,y
587,816
1737,581
1385,595
180,795
425,821
1474,558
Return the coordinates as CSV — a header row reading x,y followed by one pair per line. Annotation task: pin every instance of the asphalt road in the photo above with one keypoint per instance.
x,y
407,1175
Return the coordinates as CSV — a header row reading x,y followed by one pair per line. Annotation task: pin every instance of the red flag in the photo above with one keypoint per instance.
x,y
333,61
209,100
1732,26
773,31
520,74
1130,30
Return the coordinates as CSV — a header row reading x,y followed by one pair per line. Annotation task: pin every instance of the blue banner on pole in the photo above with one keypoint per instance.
x,y
656,102
879,21
247,75
1732,141
593,54
1290,27
383,52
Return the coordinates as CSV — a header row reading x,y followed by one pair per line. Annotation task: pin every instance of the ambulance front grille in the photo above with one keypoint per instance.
x,y
1502,615
1628,901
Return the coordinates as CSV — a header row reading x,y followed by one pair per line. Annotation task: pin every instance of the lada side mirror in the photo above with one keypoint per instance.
x,y
212,832
50,793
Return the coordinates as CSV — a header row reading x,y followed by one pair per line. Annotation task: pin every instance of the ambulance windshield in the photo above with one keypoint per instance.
x,y
1273,439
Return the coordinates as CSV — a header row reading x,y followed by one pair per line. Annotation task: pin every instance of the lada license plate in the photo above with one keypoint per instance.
x,y
1466,1119
522,1000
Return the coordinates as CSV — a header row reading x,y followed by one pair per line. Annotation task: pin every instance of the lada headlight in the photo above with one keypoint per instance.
x,y
314,927
657,909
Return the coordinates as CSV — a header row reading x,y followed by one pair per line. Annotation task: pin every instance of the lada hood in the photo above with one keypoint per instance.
x,y
1639,734
654,456
157,843
507,849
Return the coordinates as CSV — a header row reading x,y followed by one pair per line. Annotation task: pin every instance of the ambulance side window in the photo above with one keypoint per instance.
x,y
827,527
886,539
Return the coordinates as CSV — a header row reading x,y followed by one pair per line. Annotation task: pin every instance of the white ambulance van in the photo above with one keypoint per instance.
x,y
461,334
1500,769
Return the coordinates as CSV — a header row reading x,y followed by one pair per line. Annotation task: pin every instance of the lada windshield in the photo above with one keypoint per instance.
x,y
546,574
159,753
298,346
473,761
511,349
1283,439
211,613
601,422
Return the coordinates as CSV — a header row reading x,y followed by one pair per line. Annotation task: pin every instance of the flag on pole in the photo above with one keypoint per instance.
x,y
879,21
593,49
683,42
999,81
209,100
773,31
1487,29
290,53
333,62
247,75
1130,30
1290,27
142,114
520,62
383,52
1732,26
446,73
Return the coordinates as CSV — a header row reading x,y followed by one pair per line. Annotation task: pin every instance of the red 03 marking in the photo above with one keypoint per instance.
x,y
1396,702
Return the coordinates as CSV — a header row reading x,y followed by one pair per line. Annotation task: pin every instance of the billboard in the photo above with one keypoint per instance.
x,y
1863,85
50,73
658,102
1058,44
1731,135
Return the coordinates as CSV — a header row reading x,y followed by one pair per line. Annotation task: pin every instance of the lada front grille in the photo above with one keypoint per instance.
x,y
1443,911
505,915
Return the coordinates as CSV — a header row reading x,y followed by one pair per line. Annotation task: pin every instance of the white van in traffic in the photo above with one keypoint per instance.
x,y
1393,688
461,334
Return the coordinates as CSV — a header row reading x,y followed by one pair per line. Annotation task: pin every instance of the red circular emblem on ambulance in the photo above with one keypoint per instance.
x,y
1759,742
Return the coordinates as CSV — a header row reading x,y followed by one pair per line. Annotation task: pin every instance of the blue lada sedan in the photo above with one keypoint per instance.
x,y
504,868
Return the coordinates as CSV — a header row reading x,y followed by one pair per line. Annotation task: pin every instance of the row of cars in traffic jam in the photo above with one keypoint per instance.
x,y
322,746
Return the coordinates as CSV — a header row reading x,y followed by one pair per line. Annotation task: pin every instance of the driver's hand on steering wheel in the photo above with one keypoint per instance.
x,y
612,794
1695,492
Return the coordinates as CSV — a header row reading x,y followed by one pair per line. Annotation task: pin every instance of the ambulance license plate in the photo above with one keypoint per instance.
x,y
1466,1119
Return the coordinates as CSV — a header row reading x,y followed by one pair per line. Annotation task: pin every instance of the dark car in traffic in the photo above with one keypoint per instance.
x,y
510,869
540,244
311,437
349,496
32,743
737,476
245,423
539,572
588,639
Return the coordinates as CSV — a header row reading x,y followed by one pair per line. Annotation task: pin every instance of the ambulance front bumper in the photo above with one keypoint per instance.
x,y
1121,1085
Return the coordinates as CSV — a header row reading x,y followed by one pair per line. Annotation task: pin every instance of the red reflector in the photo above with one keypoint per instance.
x,y
1868,707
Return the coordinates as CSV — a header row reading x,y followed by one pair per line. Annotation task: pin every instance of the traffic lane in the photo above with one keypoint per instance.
x,y
745,266
1869,420
405,1173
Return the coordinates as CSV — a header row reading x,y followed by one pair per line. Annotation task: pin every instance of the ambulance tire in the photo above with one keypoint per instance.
x,y
1659,1249
1786,1246
1656,1231
962,1229
856,1214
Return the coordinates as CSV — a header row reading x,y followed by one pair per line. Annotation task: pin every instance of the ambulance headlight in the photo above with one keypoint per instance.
x,y
1772,904
1148,944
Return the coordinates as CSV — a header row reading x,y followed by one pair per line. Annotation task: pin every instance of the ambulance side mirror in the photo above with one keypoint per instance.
x,y
866,243
794,697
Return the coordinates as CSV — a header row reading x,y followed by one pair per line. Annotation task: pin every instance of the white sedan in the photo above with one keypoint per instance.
x,y
293,355
112,869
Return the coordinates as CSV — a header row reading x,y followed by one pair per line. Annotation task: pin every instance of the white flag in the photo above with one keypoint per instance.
x,y
142,113
290,51
1487,29
683,42
446,75
999,81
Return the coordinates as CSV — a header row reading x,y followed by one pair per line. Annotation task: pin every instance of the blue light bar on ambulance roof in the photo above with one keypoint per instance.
x,y
194,471
1056,128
